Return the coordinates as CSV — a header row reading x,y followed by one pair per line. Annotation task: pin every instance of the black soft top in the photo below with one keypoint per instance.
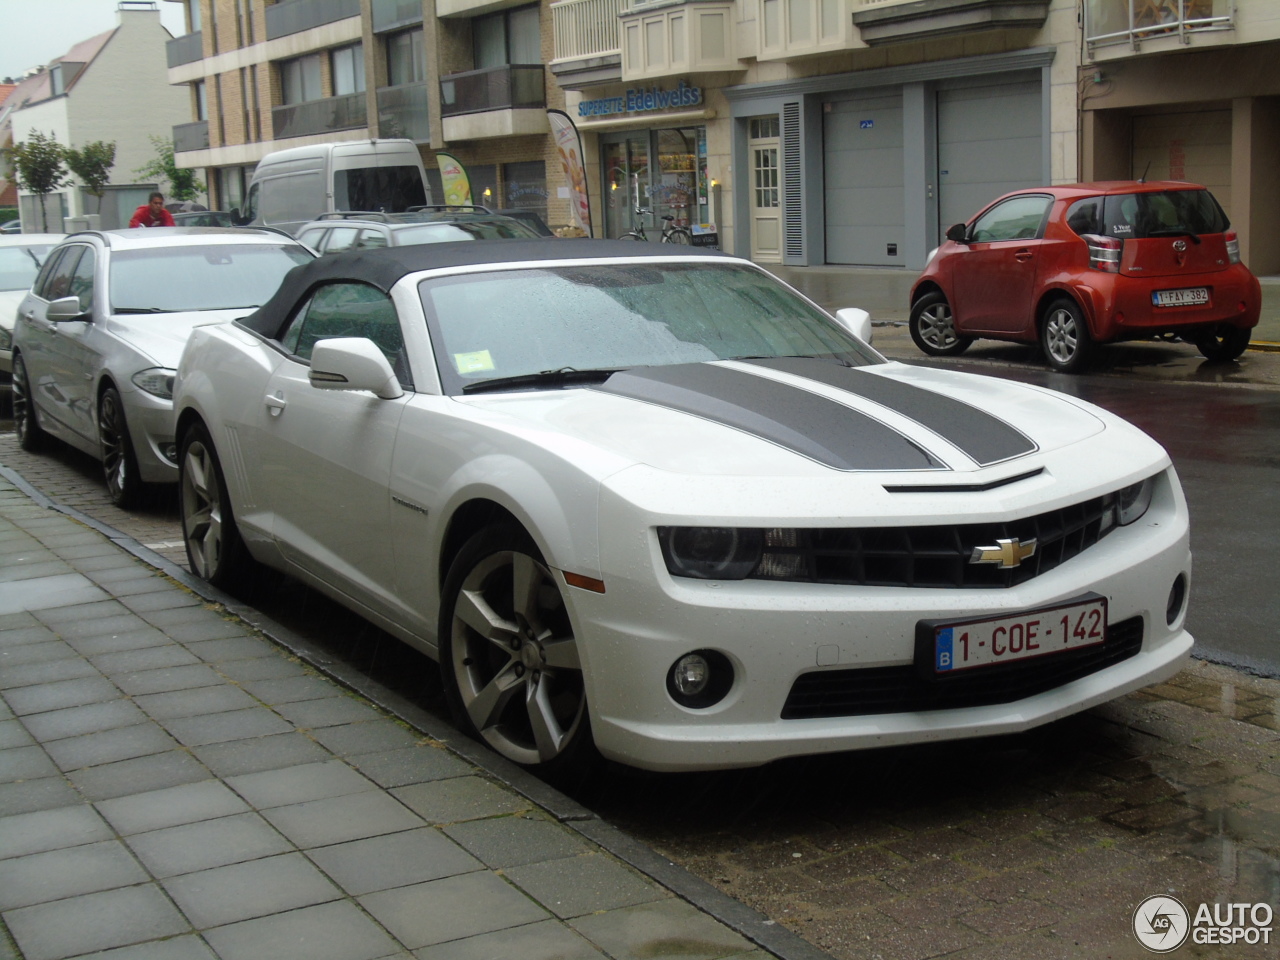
x,y
383,267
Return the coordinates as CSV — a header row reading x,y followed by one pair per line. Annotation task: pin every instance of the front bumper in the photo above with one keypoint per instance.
x,y
150,420
773,632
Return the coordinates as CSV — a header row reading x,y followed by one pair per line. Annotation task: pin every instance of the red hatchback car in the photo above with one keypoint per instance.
x,y
1073,266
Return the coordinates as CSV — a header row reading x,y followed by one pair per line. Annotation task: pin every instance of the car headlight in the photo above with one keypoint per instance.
x,y
6,339
1132,502
157,381
710,553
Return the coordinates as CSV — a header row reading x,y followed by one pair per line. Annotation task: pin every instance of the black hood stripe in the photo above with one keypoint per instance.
x,y
807,423
985,438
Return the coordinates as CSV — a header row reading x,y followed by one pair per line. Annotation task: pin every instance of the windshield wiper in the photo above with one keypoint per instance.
x,y
564,377
144,310
1174,232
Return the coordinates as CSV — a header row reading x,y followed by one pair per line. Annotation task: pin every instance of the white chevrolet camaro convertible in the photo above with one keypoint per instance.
x,y
656,505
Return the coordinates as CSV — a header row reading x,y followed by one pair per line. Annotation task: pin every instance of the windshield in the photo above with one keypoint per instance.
x,y
19,265
470,230
613,316
1141,215
215,277
389,189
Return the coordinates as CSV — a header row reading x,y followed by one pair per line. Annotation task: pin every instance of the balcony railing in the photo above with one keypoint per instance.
x,y
347,112
402,112
586,28
390,14
1132,21
186,49
509,87
294,16
191,136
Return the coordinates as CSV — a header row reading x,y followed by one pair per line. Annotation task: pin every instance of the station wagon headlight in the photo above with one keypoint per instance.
x,y
157,381
710,553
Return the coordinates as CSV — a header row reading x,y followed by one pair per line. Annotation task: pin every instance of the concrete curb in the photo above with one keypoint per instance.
x,y
755,927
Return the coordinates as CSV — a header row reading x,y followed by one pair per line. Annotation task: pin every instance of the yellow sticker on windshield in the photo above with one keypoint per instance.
x,y
476,362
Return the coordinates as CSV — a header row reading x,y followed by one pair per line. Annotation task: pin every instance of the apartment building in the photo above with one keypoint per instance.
x,y
802,132
1189,90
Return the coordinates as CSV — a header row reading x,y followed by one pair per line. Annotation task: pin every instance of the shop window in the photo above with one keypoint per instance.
x,y
524,186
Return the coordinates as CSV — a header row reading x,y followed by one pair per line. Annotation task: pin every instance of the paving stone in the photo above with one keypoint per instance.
x,y
58,617
58,874
207,844
333,931
169,678
338,819
48,671
233,648
44,830
375,736
299,784
188,803
101,626
65,693
242,891
584,884
38,568
546,940
25,796
451,909
460,798
393,860
260,668
190,703
140,775
399,768
96,921
146,658
168,619
291,689
212,627
14,734
664,928
173,948
13,637
109,746
25,763
74,721
326,712
116,642
511,841
45,592
232,725
37,651
154,600
264,753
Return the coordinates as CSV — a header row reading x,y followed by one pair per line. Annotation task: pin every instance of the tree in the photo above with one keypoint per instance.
x,y
183,184
92,165
38,162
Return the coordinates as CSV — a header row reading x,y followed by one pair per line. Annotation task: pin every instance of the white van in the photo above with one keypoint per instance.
x,y
293,187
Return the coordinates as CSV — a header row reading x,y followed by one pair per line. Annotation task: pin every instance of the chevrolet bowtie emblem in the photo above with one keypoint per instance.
x,y
1008,553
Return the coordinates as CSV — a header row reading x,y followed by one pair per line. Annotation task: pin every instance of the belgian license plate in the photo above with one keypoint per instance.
x,y
1188,297
964,644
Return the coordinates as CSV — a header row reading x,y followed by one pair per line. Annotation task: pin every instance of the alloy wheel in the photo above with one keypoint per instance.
x,y
24,423
201,503
937,327
114,436
1061,336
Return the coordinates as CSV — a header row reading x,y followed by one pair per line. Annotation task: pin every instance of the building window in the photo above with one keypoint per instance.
x,y
193,16
509,37
524,186
300,79
406,58
201,100
348,69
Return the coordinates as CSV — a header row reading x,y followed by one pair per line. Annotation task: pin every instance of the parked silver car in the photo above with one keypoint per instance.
x,y
21,256
98,337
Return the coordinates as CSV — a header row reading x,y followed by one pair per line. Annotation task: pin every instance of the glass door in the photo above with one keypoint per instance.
x,y
626,182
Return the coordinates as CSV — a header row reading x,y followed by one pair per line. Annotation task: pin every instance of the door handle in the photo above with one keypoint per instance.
x,y
1022,256
276,404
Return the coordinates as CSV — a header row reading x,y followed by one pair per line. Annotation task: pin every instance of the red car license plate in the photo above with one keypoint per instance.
x,y
963,644
1189,297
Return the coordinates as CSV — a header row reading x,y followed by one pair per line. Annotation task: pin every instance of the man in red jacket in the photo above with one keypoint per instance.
x,y
152,213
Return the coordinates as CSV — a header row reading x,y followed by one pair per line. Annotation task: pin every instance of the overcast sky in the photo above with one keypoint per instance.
x,y
33,32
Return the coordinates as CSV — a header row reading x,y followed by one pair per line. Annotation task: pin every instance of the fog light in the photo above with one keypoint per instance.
x,y
170,452
700,678
1177,596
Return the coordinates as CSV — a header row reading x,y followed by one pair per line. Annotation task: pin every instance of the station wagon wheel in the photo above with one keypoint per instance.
x,y
215,551
933,327
1064,336
119,464
508,655
30,434
1224,342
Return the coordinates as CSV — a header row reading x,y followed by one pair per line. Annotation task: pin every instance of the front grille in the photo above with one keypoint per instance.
x,y
931,556
858,693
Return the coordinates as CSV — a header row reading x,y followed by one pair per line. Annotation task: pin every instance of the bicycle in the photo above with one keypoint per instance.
x,y
670,232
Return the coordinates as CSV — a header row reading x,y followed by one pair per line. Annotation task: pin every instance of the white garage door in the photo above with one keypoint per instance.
x,y
990,141
862,145
1186,146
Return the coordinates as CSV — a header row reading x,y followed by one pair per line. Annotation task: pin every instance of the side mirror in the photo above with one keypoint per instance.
x,y
236,218
856,321
353,363
64,309
957,232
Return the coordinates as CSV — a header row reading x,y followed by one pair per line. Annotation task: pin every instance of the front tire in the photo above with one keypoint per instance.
x,y
215,550
1225,342
31,435
933,327
508,656
1064,337
119,463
